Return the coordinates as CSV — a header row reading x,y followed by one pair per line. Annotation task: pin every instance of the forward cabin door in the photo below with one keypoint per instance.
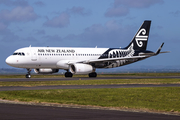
x,y
33,55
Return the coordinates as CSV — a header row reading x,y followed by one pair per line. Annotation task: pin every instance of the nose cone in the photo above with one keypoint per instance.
x,y
9,61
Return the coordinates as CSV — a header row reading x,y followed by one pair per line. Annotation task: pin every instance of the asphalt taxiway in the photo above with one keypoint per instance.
x,y
12,88
85,78
31,112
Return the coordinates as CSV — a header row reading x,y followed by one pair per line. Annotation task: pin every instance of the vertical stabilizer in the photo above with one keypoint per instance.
x,y
140,40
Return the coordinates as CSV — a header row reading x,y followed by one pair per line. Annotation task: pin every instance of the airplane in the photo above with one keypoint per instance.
x,y
48,60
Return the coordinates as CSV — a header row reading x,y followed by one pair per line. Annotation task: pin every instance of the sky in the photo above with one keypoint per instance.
x,y
90,23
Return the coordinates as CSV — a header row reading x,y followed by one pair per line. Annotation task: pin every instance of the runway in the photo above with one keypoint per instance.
x,y
18,111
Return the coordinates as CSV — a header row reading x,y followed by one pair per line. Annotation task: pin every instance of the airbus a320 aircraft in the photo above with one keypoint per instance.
x,y
47,60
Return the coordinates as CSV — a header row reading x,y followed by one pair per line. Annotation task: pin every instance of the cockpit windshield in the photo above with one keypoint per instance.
x,y
19,53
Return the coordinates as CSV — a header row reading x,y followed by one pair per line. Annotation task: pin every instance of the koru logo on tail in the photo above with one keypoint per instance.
x,y
141,37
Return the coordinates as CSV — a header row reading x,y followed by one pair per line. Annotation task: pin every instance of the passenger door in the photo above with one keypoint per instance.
x,y
33,55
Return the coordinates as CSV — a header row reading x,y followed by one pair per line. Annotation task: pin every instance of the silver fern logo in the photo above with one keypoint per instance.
x,y
116,53
141,37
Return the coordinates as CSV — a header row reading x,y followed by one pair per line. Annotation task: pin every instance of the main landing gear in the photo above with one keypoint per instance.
x,y
28,75
93,74
68,74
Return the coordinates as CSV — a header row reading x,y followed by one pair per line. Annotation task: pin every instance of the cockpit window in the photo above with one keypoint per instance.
x,y
15,53
19,53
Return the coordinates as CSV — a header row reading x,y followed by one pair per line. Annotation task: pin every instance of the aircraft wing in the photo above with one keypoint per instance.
x,y
111,59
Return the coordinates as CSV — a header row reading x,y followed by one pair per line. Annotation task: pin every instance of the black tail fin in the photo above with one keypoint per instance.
x,y
139,42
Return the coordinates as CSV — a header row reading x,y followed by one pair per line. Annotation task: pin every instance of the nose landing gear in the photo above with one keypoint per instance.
x,y
28,75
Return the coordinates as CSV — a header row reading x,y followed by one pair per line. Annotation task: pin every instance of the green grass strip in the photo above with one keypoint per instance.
x,y
92,82
158,99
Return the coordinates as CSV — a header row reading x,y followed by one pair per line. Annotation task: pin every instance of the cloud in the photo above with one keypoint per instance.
x,y
79,11
112,33
176,13
18,14
14,2
39,3
52,38
117,12
2,26
40,32
59,21
112,25
137,3
30,39
8,37
121,7
103,35
63,18
160,27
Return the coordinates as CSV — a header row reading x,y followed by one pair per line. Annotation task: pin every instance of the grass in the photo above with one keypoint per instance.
x,y
92,82
156,99
99,75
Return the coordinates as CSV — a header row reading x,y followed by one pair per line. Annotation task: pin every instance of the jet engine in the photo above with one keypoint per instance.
x,y
46,71
80,68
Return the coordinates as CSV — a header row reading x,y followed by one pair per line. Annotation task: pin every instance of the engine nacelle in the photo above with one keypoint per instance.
x,y
80,68
46,71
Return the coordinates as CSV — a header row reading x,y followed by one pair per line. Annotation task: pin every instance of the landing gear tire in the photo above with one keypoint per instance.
x,y
94,74
68,74
28,76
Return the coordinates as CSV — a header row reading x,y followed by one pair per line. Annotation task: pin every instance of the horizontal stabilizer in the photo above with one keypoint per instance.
x,y
146,54
158,51
165,52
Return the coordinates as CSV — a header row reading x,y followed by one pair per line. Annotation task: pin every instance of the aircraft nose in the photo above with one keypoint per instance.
x,y
9,60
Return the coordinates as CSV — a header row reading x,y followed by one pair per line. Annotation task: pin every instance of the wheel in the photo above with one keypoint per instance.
x,y
68,74
94,74
28,76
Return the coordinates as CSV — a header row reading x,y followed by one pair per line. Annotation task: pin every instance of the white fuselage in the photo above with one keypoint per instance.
x,y
52,57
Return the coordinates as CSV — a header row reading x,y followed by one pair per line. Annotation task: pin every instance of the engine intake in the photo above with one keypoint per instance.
x,y
80,68
46,71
